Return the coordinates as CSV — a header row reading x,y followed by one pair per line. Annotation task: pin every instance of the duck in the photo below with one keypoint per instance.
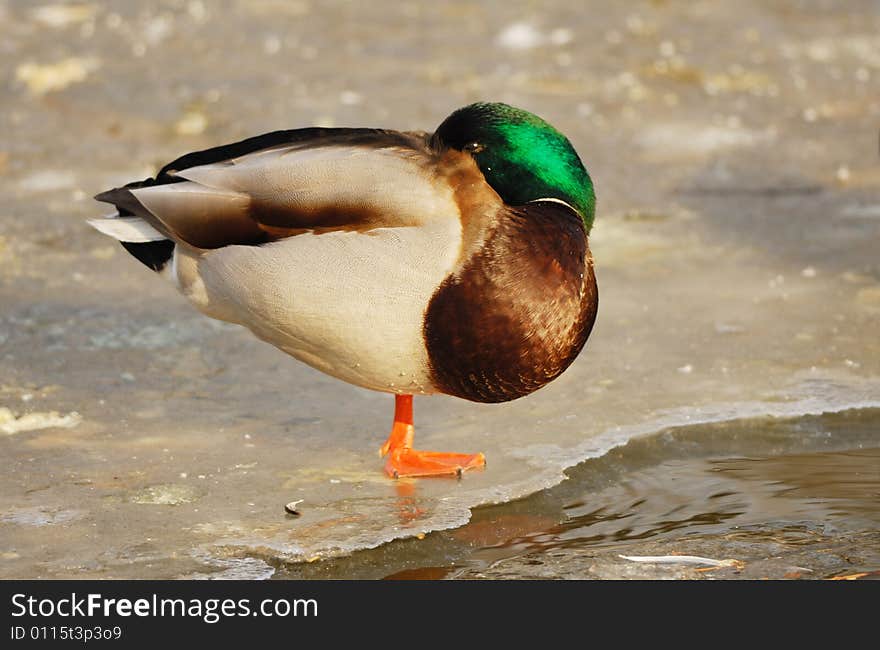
x,y
455,262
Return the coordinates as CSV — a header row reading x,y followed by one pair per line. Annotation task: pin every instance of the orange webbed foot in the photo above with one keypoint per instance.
x,y
403,460
410,462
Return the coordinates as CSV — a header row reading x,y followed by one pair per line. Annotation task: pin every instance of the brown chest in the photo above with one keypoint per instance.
x,y
518,312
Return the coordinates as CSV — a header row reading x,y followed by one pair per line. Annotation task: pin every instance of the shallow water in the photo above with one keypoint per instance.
x,y
806,485
734,154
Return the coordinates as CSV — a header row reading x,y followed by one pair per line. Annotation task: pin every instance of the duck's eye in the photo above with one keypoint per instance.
x,y
473,147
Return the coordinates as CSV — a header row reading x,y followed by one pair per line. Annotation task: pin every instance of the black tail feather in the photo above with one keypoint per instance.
x,y
154,254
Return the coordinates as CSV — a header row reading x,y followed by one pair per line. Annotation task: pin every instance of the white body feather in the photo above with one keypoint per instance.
x,y
317,298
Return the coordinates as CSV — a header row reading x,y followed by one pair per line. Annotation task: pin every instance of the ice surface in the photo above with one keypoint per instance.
x,y
734,151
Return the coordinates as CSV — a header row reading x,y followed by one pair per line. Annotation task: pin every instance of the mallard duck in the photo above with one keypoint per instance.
x,y
455,262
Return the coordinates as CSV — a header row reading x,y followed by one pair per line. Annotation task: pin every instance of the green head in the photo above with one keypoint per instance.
x,y
522,157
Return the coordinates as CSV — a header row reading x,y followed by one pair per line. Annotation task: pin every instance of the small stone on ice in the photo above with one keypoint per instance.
x,y
686,370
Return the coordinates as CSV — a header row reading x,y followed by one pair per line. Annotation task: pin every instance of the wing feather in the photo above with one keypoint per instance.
x,y
202,216
359,180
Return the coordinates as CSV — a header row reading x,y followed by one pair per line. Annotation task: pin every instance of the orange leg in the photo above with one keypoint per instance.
x,y
403,460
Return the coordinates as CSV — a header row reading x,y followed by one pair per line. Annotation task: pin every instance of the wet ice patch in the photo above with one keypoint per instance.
x,y
861,48
691,139
38,516
151,337
869,299
48,180
233,568
870,211
168,494
60,16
